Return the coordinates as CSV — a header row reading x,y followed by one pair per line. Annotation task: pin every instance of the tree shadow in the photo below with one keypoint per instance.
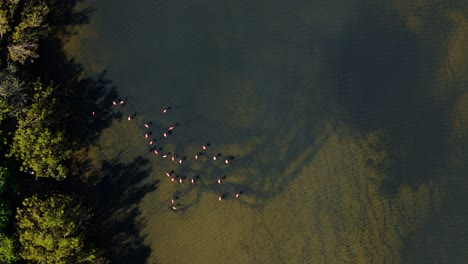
x,y
385,81
115,189
87,99
442,236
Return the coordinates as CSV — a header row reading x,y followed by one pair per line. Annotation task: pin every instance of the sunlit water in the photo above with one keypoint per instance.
x,y
347,121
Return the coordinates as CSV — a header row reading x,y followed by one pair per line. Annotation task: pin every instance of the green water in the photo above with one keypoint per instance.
x,y
347,120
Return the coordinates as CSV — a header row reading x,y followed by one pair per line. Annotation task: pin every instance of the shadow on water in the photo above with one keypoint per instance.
x,y
385,81
88,98
117,190
114,188
442,237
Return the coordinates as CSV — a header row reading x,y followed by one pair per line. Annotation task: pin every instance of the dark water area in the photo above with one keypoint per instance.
x,y
347,121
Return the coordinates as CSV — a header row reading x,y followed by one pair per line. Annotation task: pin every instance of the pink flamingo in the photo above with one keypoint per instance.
x,y
180,180
156,152
174,208
220,198
170,128
196,156
164,156
166,109
172,200
146,125
219,180
151,142
192,181
165,135
122,102
214,158
180,161
129,118
226,161
114,103
146,135
94,113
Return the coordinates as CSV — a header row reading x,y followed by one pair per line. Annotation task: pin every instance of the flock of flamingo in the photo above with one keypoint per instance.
x,y
156,142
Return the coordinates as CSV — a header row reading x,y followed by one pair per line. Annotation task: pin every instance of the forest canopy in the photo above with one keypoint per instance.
x,y
41,221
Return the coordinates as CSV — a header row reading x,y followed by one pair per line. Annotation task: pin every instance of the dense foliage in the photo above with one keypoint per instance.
x,y
51,230
41,149
7,249
24,33
47,228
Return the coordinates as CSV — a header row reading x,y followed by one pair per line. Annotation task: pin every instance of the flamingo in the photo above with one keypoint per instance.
x,y
166,109
129,118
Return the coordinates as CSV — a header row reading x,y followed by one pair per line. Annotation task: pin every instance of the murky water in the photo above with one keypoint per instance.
x,y
347,121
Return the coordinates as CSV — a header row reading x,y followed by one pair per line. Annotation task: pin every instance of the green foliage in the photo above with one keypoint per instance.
x,y
4,27
13,93
41,148
7,249
5,213
52,230
28,32
4,175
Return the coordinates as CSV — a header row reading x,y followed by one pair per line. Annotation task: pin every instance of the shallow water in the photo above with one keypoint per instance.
x,y
347,121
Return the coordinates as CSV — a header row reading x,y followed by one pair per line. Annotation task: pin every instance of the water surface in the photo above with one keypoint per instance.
x,y
347,120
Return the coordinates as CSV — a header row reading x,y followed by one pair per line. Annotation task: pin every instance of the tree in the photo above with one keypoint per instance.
x,y
7,244
7,249
4,27
5,209
37,141
13,92
29,31
52,230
